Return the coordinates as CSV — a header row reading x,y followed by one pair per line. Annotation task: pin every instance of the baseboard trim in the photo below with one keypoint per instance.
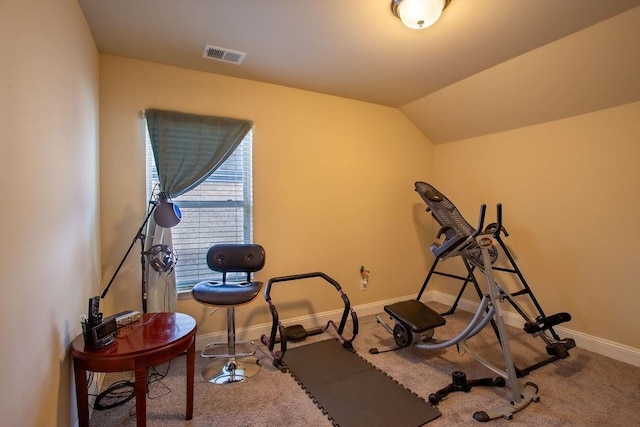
x,y
597,345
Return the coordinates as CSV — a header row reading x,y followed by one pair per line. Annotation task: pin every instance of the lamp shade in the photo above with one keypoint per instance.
x,y
418,14
167,214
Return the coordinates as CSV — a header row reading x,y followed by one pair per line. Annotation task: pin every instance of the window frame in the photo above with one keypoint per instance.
x,y
225,173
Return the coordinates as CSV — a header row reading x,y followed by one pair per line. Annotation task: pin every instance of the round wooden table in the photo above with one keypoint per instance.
x,y
154,339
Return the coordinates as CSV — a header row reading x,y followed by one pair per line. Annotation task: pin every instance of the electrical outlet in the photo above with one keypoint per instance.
x,y
364,278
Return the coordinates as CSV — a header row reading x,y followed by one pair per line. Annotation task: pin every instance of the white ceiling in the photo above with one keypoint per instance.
x,y
349,48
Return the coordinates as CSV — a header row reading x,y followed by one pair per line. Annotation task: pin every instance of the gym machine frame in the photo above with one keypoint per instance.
x,y
282,334
556,347
415,323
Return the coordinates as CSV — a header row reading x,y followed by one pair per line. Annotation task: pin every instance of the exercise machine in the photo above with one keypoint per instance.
x,y
348,389
415,322
283,334
456,228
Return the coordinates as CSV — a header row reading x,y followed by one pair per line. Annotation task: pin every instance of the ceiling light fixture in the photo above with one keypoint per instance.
x,y
418,14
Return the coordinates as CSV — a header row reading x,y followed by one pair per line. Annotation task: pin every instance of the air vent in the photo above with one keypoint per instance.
x,y
222,54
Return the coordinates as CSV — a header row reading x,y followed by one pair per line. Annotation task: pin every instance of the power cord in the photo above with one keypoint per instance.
x,y
120,392
116,394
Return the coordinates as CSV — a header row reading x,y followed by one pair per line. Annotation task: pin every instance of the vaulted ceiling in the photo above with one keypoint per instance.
x,y
536,60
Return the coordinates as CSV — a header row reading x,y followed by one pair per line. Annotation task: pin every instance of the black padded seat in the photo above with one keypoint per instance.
x,y
417,316
222,294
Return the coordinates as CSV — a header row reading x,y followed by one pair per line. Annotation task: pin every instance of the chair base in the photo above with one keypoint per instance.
x,y
231,370
221,349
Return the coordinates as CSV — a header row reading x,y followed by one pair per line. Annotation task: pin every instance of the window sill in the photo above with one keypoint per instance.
x,y
184,294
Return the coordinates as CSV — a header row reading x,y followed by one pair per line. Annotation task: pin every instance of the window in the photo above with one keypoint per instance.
x,y
219,210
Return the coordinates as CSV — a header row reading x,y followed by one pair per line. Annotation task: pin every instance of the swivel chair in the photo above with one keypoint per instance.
x,y
230,364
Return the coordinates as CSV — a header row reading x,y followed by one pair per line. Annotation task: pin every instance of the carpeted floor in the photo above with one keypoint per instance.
x,y
585,389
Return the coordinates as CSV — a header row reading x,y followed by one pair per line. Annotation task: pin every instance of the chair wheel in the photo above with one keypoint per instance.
x,y
401,335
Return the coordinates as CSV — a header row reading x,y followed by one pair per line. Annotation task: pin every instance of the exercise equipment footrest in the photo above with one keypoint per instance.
x,y
544,323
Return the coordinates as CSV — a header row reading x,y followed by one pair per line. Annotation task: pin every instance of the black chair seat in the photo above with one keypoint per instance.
x,y
218,293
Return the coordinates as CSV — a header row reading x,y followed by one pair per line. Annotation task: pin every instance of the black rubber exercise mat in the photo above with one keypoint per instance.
x,y
353,392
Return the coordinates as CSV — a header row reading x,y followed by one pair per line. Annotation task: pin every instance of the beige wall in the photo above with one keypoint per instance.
x,y
569,191
333,185
49,256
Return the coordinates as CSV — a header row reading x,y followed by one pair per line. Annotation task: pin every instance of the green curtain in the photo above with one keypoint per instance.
x,y
188,148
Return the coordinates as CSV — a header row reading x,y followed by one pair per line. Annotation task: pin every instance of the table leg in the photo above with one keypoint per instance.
x,y
191,361
82,395
141,392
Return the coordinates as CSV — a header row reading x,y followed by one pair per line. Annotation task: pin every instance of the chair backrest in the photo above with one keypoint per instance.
x,y
236,258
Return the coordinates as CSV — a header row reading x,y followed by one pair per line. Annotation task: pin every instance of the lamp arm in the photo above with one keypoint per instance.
x,y
139,235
